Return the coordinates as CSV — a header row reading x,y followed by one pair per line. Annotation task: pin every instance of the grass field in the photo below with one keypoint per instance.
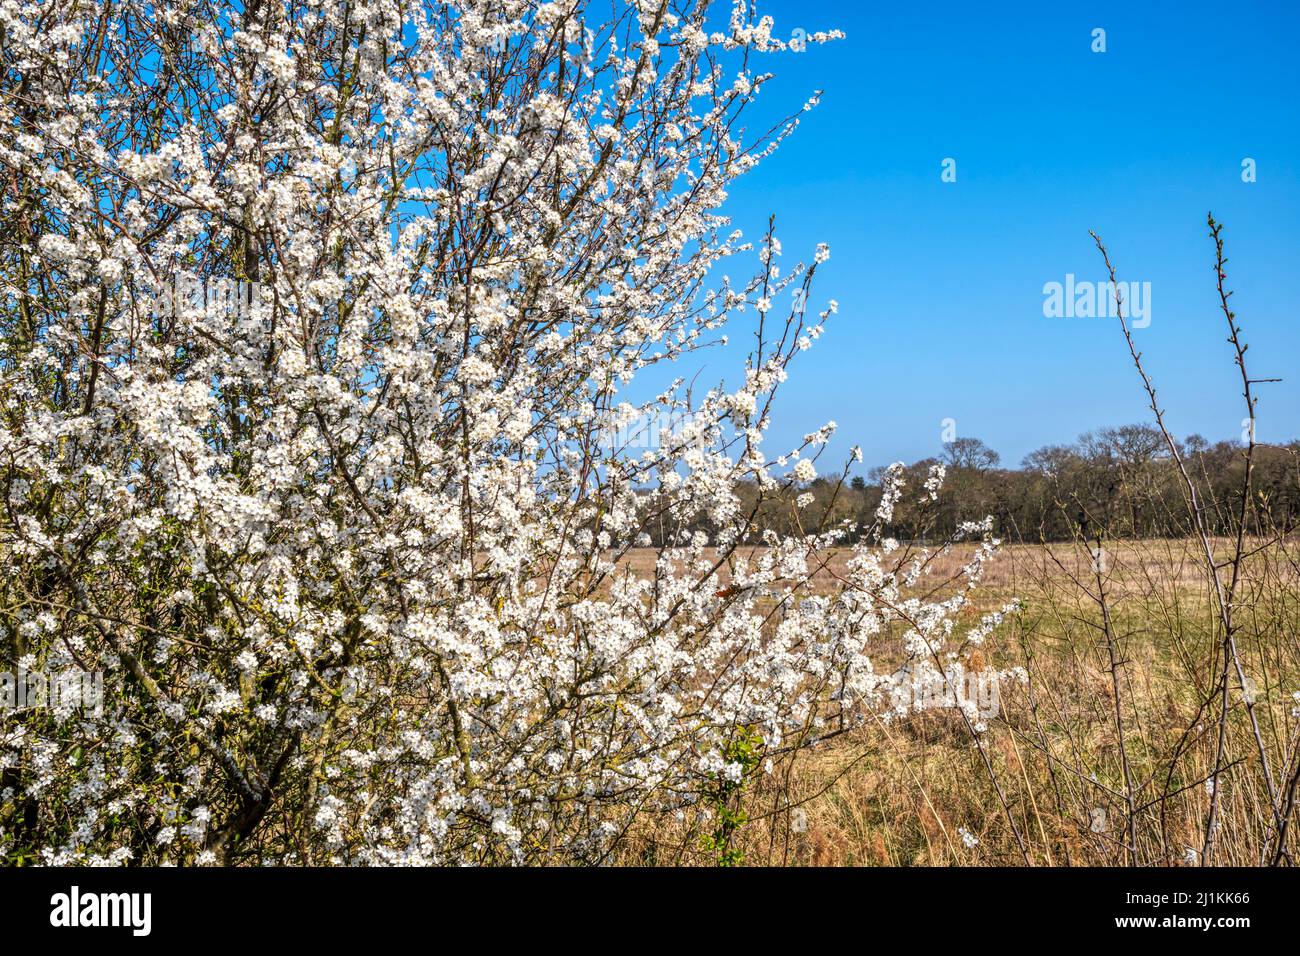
x,y
919,791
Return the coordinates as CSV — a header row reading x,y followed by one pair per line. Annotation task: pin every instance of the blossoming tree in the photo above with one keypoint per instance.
x,y
350,543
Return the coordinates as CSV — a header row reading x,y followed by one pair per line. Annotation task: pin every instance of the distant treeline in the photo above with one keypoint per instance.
x,y
1116,482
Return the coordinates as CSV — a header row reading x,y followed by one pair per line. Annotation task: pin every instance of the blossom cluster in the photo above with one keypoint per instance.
x,y
354,558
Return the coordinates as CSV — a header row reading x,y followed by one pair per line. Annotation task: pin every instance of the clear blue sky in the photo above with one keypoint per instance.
x,y
940,284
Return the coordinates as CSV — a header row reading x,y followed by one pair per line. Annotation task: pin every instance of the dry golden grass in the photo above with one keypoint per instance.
x,y
900,793
1168,562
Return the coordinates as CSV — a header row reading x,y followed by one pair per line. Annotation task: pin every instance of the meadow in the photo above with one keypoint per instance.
x,y
1120,659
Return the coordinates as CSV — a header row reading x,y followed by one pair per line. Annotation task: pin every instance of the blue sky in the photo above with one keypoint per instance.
x,y
940,285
